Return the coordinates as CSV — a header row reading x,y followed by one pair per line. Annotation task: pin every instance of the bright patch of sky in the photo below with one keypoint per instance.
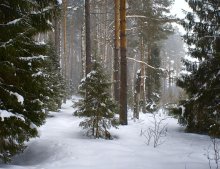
x,y
178,9
59,1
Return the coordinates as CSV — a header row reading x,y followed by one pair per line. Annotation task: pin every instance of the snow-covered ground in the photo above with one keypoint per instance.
x,y
63,145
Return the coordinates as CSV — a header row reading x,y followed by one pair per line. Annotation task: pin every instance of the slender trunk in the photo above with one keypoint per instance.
x,y
57,35
105,34
142,90
73,58
64,44
64,37
82,53
136,106
137,95
88,37
123,70
149,74
116,50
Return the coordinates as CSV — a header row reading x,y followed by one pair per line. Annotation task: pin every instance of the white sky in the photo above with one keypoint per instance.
x,y
177,10
178,6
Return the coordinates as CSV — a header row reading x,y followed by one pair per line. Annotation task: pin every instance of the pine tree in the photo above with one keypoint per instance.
x,y
96,106
54,80
154,76
123,65
202,82
153,24
116,50
22,78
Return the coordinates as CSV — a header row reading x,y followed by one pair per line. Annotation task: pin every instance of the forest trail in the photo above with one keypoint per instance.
x,y
63,145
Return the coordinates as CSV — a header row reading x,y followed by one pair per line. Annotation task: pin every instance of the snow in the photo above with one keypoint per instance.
x,y
40,73
191,59
179,8
89,75
6,114
19,97
33,57
14,21
6,43
63,145
40,43
136,16
183,110
59,2
184,72
73,8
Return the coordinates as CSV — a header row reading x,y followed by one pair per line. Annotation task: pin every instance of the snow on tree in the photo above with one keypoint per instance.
x,y
202,76
23,78
97,106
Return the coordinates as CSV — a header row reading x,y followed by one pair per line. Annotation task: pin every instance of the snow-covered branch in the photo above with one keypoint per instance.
x,y
157,19
152,67
136,16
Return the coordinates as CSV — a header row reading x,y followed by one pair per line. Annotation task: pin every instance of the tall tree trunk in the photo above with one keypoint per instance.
x,y
64,38
137,94
64,44
88,37
149,74
83,71
116,50
123,70
105,33
57,35
142,90
72,53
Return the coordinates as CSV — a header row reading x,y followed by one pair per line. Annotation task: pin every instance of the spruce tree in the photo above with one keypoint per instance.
x,y
97,106
153,24
201,112
54,81
154,80
22,77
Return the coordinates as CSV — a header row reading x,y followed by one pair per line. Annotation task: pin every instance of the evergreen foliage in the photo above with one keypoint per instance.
x,y
22,77
201,111
153,22
54,80
97,106
155,26
154,76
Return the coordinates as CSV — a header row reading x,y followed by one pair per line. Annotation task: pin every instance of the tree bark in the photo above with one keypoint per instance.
x,y
137,95
105,34
83,71
149,73
116,51
142,90
72,58
57,35
123,70
88,37
64,45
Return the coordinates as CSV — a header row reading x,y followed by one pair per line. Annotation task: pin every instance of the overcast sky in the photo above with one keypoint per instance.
x,y
178,6
177,9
